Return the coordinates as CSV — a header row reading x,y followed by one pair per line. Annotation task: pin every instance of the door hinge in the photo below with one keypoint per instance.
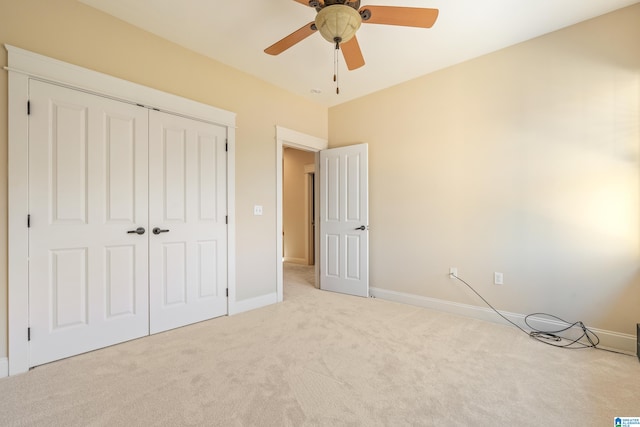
x,y
28,108
29,221
226,146
28,334
226,219
227,292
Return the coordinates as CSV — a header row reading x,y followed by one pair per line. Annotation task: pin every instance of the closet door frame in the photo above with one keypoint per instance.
x,y
24,66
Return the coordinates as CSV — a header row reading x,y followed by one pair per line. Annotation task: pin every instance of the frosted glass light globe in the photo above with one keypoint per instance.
x,y
338,21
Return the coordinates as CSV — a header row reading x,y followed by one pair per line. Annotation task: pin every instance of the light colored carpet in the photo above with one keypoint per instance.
x,y
324,359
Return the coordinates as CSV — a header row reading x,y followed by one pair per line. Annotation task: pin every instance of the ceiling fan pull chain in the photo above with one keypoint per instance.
x,y
335,65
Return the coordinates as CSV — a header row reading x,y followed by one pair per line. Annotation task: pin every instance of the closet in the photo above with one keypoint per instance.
x,y
127,221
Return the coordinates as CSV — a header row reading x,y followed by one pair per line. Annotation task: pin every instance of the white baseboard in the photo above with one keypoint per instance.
x,y
302,261
608,339
4,367
253,303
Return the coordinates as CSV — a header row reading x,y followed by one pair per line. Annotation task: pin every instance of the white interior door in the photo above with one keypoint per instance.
x,y
88,276
344,220
187,208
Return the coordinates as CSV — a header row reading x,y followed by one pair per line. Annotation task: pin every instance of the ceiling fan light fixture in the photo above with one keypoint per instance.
x,y
338,23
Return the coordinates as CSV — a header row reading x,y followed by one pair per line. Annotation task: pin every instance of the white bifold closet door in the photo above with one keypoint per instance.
x,y
187,216
102,175
88,277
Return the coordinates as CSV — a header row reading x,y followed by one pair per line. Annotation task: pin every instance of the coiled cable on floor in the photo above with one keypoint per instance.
x,y
552,337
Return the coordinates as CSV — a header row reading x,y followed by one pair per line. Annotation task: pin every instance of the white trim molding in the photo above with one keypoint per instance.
x,y
608,339
39,67
231,218
4,367
24,66
302,261
253,303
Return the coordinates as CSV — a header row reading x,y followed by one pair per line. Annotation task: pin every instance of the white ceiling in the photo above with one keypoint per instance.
x,y
236,32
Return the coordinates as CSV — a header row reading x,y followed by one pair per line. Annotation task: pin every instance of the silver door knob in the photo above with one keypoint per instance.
x,y
139,230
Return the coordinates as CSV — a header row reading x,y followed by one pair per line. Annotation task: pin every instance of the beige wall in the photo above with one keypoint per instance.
x,y
72,32
524,161
294,203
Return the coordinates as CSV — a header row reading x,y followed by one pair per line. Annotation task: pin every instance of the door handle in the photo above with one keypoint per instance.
x,y
139,230
158,230
362,227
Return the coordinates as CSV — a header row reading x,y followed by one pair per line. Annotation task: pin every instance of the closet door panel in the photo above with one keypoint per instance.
x,y
88,276
188,194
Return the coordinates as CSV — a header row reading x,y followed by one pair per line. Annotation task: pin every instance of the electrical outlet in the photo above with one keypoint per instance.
x,y
498,278
453,272
257,210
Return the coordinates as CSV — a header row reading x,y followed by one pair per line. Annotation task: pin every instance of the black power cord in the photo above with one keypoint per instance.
x,y
553,337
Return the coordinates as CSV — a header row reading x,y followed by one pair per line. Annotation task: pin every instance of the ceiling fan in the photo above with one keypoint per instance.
x,y
338,20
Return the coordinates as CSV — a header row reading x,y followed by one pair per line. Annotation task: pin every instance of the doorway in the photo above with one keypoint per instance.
x,y
311,216
293,139
341,205
298,218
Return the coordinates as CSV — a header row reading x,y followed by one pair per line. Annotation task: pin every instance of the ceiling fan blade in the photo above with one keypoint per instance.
x,y
405,16
293,38
352,54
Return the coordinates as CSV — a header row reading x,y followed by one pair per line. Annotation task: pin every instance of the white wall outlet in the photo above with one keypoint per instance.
x,y
257,210
453,272
498,278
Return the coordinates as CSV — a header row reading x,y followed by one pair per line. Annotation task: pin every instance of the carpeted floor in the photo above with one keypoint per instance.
x,y
325,359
